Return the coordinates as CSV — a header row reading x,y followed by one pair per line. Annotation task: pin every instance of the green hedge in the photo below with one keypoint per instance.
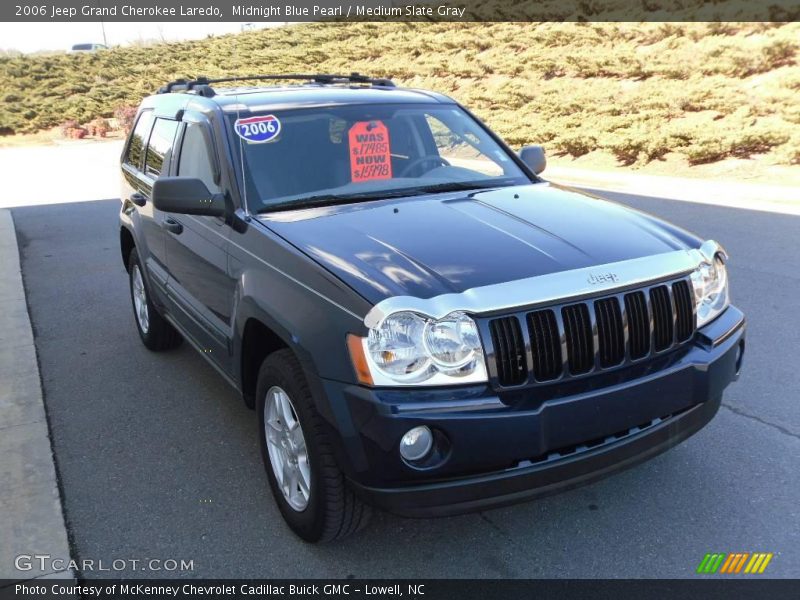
x,y
639,91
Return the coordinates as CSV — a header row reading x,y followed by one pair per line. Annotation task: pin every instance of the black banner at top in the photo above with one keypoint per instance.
x,y
399,10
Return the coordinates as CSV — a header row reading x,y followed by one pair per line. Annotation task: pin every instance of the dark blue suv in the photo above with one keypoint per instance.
x,y
419,320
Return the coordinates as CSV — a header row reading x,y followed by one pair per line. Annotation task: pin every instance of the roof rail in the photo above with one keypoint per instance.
x,y
202,84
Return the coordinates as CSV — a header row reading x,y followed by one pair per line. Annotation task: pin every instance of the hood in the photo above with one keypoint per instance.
x,y
447,243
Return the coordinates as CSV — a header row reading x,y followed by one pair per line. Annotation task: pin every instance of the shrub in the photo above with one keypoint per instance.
x,y
125,115
98,127
626,149
626,88
67,126
575,144
710,150
779,53
76,133
740,140
789,153
642,143
756,141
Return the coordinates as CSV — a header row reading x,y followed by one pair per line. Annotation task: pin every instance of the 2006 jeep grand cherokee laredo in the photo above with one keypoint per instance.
x,y
420,321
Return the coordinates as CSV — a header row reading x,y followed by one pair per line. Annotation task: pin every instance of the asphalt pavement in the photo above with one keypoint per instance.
x,y
158,458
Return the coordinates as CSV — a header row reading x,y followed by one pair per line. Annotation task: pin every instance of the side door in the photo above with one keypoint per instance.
x,y
197,251
156,151
136,189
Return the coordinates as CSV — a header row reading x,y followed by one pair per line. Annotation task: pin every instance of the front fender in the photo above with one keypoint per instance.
x,y
307,307
318,344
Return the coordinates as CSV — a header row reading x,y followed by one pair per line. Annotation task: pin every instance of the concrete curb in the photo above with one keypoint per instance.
x,y
783,199
33,522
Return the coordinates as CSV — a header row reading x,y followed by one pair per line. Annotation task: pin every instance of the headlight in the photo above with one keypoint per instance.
x,y
409,348
453,342
397,349
710,283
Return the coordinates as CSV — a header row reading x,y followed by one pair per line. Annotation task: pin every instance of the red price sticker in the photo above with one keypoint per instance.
x,y
370,154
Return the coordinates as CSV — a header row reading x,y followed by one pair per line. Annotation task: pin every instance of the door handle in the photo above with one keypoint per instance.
x,y
172,225
138,199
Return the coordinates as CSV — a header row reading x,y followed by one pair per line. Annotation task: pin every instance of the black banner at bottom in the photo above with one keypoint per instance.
x,y
379,589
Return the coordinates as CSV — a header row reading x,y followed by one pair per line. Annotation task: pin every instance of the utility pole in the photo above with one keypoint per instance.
x,y
102,26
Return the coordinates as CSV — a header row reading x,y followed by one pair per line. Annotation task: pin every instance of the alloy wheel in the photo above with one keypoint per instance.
x,y
287,449
140,300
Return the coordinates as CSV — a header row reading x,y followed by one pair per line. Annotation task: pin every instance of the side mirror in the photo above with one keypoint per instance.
x,y
186,196
534,157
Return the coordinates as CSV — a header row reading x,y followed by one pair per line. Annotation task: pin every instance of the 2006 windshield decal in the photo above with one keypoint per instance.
x,y
258,130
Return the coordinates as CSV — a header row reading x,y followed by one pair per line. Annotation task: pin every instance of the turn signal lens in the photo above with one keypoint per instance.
x,y
359,359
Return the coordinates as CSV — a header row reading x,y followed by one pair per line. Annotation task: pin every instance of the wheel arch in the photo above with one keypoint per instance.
x,y
126,245
257,335
258,341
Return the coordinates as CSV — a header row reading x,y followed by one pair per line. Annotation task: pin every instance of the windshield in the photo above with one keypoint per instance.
x,y
299,158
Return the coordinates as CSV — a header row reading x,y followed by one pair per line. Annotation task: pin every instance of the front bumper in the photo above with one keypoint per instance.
x,y
504,449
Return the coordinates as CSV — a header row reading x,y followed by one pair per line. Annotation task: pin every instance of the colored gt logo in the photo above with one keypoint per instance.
x,y
734,563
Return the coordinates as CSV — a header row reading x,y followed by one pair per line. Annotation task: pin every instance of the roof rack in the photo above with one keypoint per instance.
x,y
202,85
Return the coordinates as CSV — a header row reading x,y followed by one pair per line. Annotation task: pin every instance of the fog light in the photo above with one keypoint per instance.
x,y
416,443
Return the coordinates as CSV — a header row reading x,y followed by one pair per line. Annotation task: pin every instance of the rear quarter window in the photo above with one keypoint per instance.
x,y
136,146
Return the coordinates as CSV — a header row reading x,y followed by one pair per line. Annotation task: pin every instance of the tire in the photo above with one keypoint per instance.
x,y
156,333
331,510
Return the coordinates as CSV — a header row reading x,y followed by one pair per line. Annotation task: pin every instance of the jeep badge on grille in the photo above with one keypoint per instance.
x,y
596,278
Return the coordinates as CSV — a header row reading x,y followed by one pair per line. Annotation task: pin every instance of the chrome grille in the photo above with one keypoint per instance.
x,y
509,350
578,338
638,325
684,310
663,323
545,345
578,332
610,332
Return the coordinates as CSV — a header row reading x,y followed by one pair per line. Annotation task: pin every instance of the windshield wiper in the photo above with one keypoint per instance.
x,y
334,199
320,200
459,186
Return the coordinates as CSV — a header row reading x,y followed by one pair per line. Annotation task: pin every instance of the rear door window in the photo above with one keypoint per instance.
x,y
138,141
159,148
